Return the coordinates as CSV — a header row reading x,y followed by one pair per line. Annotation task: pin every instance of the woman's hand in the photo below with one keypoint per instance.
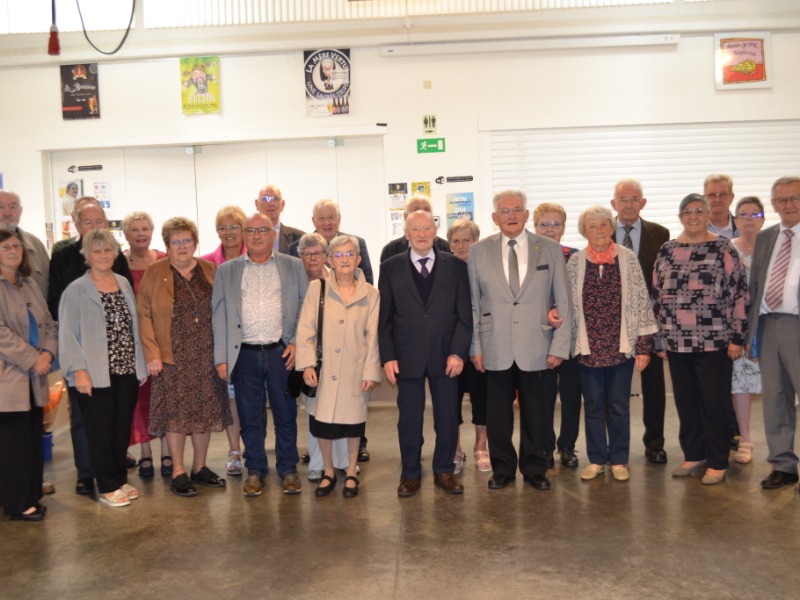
x,y
154,367
734,351
83,383
642,360
42,364
367,385
310,376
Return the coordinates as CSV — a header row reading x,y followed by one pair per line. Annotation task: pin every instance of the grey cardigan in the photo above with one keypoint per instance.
x,y
82,342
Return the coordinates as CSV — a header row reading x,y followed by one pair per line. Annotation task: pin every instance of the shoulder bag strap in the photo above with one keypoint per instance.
x,y
320,314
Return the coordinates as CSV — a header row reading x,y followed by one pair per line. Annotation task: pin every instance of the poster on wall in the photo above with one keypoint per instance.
x,y
742,60
68,192
200,85
327,81
460,206
421,188
397,194
80,94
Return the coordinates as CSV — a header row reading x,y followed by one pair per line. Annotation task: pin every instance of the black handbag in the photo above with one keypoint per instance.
x,y
311,392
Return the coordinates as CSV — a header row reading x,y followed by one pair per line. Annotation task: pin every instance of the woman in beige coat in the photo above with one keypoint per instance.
x,y
350,362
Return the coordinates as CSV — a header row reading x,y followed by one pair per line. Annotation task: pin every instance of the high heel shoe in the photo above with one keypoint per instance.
x,y
350,492
324,491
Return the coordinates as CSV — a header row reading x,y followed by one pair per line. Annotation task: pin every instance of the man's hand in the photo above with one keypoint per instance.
x,y
642,360
477,360
553,319
454,366
83,383
391,368
288,354
222,371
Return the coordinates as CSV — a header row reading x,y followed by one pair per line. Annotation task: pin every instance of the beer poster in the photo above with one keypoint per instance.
x,y
327,81
200,85
80,94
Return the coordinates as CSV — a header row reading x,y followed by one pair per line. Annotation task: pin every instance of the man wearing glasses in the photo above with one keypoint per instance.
x,y
256,304
645,239
515,278
270,202
774,327
718,190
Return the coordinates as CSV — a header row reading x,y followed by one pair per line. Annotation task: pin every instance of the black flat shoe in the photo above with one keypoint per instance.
x,y
166,469
208,478
321,492
363,455
350,492
306,458
182,486
84,487
658,457
36,515
498,482
568,458
146,468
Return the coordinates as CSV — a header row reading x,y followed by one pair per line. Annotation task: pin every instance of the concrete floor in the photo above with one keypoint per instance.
x,y
653,537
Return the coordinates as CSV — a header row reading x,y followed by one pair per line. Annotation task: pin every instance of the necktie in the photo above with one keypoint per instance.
x,y
774,296
513,268
627,241
423,269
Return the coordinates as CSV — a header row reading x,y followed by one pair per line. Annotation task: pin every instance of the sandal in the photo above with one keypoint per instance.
x,y
182,486
166,469
208,478
460,461
146,468
234,464
482,461
744,454
350,492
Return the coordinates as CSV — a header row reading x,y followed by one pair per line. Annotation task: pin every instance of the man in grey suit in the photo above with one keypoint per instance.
x,y
271,203
773,328
256,304
515,278
645,239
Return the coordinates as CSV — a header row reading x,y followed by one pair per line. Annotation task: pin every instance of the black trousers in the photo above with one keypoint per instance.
x,y
654,403
569,390
107,414
21,459
702,385
472,382
534,388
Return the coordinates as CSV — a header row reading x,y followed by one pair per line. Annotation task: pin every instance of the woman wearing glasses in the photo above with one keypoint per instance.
x,y
350,362
700,300
749,218
188,399
230,226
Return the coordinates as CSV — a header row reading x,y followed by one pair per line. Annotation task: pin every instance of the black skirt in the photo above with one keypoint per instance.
x,y
335,431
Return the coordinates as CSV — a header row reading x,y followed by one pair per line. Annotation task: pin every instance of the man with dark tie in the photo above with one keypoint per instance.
x,y
400,245
424,334
645,239
515,278
773,328
270,202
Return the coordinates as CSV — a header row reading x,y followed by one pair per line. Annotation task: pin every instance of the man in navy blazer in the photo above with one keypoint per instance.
x,y
516,277
424,333
256,304
271,203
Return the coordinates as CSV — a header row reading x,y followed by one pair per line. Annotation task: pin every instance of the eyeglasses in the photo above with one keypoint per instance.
x,y
752,217
630,201
783,201
11,247
720,196
186,242
687,212
546,224
348,254
516,211
261,230
269,199
231,228
310,255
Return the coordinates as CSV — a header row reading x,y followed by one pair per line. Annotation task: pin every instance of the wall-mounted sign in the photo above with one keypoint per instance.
x,y
200,85
80,96
428,124
431,145
743,60
327,81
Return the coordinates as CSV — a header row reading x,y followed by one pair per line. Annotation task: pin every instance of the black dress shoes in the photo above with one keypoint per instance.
x,y
84,487
551,462
568,458
498,482
778,479
658,457
539,482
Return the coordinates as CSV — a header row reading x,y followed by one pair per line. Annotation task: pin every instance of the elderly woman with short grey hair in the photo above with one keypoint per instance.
x,y
102,358
612,332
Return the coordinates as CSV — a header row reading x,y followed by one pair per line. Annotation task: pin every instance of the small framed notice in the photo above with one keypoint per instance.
x,y
743,60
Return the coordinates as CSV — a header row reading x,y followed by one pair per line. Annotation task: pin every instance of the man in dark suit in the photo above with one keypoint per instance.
x,y
645,239
516,277
270,202
424,333
773,327
400,245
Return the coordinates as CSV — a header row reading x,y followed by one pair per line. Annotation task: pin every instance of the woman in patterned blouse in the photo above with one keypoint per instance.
x,y
612,332
700,300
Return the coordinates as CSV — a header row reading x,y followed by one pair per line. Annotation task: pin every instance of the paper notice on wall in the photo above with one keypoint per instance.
x,y
460,206
102,191
327,81
397,195
68,192
396,223
421,188
200,85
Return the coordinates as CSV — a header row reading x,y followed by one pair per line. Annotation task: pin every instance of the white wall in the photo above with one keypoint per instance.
x,y
263,98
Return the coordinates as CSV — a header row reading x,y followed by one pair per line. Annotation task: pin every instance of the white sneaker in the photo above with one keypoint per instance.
x,y
591,471
314,475
117,499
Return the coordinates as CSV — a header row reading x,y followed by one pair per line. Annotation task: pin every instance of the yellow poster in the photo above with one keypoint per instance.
x,y
200,85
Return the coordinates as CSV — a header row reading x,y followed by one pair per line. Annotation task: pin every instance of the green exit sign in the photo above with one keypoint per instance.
x,y
430,145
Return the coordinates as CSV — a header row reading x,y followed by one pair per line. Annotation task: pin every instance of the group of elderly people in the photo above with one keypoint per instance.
x,y
140,359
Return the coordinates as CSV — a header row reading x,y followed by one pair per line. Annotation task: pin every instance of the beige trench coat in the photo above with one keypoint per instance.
x,y
349,350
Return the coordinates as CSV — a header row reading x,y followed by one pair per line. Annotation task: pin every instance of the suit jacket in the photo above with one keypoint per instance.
x,y
400,245
420,336
653,237
226,305
38,259
365,266
289,235
765,244
508,329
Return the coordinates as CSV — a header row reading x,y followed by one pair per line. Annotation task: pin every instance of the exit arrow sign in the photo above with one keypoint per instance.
x,y
430,145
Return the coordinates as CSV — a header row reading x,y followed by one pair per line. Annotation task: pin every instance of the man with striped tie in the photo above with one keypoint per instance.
x,y
645,239
774,324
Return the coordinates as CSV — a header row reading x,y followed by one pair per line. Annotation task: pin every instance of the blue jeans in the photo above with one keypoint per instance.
x,y
257,372
606,401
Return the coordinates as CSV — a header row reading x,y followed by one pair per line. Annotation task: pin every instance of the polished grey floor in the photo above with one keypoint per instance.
x,y
653,537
